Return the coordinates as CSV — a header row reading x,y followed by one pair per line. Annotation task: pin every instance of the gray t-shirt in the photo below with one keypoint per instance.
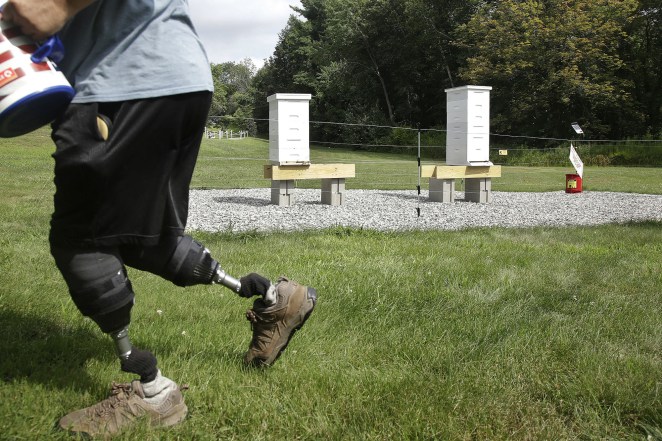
x,y
133,49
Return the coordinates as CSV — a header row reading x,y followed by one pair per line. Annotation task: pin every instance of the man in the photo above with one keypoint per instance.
x,y
125,152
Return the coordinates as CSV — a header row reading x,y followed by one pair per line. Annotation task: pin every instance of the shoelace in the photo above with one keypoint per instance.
x,y
252,317
119,394
118,388
260,327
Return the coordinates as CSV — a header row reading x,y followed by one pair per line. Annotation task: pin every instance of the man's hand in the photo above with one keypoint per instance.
x,y
39,19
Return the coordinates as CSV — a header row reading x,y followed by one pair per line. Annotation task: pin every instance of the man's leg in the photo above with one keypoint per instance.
x,y
186,262
276,315
99,286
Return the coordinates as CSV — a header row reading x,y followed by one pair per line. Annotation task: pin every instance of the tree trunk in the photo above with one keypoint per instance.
x,y
375,66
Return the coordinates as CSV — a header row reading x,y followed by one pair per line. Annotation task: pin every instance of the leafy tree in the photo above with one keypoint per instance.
x,y
644,55
288,70
232,104
377,58
219,100
432,61
551,62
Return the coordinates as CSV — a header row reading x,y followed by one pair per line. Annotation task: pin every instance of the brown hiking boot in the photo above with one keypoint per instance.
x,y
125,406
273,326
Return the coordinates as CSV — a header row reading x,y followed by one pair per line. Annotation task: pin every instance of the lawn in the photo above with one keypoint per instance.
x,y
542,333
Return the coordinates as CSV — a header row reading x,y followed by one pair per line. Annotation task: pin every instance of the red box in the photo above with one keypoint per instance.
x,y
573,183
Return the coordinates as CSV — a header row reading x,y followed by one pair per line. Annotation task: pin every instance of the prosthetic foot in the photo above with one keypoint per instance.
x,y
274,325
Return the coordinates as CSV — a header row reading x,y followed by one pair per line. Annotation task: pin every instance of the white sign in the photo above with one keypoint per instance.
x,y
576,161
578,129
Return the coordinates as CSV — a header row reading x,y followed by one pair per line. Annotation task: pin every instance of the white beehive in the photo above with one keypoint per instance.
x,y
468,124
289,128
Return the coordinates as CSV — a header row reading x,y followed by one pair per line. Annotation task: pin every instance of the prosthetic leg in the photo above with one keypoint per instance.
x,y
186,262
101,290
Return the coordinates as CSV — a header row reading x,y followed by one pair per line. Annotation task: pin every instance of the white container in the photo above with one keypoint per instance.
x,y
468,125
31,94
289,129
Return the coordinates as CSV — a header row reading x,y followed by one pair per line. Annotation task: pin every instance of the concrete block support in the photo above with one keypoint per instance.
x,y
478,190
477,179
442,190
332,191
282,193
332,177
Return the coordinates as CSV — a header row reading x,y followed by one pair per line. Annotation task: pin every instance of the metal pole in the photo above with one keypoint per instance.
x,y
418,208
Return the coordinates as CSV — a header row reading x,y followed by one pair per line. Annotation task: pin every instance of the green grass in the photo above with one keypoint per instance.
x,y
543,333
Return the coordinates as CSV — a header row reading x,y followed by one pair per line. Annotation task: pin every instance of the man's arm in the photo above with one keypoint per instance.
x,y
40,19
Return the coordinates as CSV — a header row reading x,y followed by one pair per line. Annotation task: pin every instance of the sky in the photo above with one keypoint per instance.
x,y
234,30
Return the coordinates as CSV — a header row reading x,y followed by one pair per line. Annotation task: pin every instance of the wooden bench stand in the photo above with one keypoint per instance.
x,y
332,176
477,179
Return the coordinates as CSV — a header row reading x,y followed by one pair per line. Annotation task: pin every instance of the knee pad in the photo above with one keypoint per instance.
x,y
190,263
97,280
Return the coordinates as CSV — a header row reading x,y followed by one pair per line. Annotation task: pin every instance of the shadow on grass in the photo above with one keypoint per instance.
x,y
42,351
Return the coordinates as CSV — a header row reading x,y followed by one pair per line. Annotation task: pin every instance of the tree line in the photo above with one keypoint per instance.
x,y
388,62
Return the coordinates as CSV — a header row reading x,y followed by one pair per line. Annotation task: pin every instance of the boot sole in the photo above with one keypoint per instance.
x,y
312,295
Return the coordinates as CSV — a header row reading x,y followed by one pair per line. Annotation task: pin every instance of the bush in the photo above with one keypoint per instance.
x,y
598,160
404,140
626,153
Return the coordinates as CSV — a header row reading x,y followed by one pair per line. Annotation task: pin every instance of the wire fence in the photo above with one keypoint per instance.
x,y
363,136
401,151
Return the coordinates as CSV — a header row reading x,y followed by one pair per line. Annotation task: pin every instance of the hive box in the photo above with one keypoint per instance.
x,y
289,128
468,124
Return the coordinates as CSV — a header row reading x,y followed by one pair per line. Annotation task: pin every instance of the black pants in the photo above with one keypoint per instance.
x,y
124,199
133,187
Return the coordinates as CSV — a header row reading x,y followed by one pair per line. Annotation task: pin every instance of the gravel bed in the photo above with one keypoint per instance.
x,y
251,210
